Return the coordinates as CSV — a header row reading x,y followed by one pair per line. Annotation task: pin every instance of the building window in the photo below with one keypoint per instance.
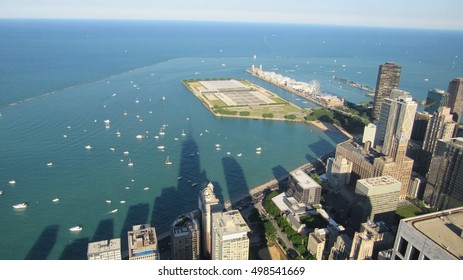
x,y
402,248
414,254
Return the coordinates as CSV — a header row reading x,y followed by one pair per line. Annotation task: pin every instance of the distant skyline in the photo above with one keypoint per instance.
x,y
432,14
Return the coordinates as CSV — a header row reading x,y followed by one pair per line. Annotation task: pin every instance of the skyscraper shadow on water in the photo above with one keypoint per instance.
x,y
238,193
44,244
104,231
77,250
175,201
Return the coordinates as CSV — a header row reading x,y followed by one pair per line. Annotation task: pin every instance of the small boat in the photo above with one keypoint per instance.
x,y
137,101
75,228
65,136
108,201
139,136
147,188
122,201
168,162
179,178
258,152
12,182
183,133
50,164
258,148
194,184
161,131
228,153
126,153
217,145
161,147
55,199
113,211
156,137
240,154
163,98
20,205
88,147
1,192
125,113
112,149
130,164
176,139
118,133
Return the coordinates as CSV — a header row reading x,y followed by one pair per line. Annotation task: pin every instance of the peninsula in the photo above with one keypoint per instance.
x,y
243,99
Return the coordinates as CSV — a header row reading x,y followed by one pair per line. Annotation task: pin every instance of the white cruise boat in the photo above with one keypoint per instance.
x,y
55,199
50,164
88,147
20,205
12,182
139,136
75,228
113,211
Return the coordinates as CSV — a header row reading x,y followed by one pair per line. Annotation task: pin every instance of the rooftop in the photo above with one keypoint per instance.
x,y
444,228
230,222
142,240
304,180
104,246
208,194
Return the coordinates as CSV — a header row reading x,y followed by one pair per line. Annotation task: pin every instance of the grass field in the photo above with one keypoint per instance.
x,y
408,211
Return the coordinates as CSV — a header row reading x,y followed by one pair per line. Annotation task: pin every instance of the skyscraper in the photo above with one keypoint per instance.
x,y
185,237
444,189
456,98
207,204
376,200
230,239
303,188
395,122
388,79
440,126
436,98
143,243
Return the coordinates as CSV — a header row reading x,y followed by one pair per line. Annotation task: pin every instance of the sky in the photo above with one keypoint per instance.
x,y
435,14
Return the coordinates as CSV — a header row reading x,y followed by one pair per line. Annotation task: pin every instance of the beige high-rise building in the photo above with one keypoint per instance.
x,y
395,122
143,243
303,188
369,133
440,126
376,200
338,171
208,204
456,98
185,237
362,247
341,248
230,239
316,242
388,79
104,250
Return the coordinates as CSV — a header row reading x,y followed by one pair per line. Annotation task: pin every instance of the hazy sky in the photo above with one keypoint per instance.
x,y
403,13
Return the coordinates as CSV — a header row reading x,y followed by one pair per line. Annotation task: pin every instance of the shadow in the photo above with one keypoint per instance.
x,y
77,250
325,149
104,231
242,200
136,215
44,244
174,201
281,175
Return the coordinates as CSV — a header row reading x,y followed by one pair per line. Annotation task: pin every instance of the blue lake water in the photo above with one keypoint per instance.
x,y
60,80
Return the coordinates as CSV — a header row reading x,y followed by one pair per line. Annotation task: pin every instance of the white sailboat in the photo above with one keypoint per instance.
x,y
168,162
183,132
130,164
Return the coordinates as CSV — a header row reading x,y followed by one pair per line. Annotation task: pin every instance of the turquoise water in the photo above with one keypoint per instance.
x,y
88,72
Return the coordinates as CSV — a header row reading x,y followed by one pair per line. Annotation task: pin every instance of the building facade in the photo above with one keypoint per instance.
x,y
185,237
436,98
208,203
440,126
434,236
316,243
338,171
143,243
303,188
388,79
456,98
376,200
104,250
230,239
444,188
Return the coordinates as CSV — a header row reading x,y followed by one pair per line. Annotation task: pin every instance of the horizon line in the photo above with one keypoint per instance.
x,y
455,29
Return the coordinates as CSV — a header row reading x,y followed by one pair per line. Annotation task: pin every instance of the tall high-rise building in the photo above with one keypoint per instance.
x,y
104,250
303,188
143,243
388,79
230,239
338,171
436,98
185,237
395,123
208,203
456,98
316,243
434,236
376,200
419,126
444,188
440,126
